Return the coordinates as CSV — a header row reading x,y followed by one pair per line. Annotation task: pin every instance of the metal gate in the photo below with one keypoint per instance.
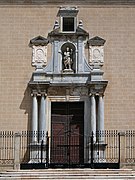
x,y
77,151
67,136
67,149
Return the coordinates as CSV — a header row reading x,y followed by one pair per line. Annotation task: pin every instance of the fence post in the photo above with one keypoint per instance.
x,y
47,149
17,142
42,144
92,150
122,148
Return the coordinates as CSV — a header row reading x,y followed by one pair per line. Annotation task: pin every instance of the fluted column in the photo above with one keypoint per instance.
x,y
101,116
34,124
42,115
93,115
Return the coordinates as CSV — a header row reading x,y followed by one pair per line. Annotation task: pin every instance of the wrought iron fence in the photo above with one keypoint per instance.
x,y
6,148
129,142
108,146
33,147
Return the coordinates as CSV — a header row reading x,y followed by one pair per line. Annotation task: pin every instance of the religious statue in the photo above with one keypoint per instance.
x,y
68,61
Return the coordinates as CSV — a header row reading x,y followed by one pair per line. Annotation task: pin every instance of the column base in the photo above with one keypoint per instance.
x,y
98,152
37,153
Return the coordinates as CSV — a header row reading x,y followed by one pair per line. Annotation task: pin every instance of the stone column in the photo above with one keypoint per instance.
x,y
101,113
34,124
100,125
93,116
42,120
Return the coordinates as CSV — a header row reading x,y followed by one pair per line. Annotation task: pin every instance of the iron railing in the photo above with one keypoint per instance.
x,y
34,146
108,146
6,148
129,142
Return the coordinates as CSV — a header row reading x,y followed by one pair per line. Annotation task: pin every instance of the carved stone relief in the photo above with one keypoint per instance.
x,y
63,91
79,91
96,55
39,56
56,91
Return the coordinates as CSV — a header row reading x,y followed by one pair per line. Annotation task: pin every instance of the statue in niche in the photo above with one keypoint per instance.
x,y
67,59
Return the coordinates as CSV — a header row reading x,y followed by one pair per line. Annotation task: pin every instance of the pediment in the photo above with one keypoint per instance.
x,y
39,40
96,41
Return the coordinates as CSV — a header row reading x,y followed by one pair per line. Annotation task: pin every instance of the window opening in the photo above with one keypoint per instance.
x,y
68,23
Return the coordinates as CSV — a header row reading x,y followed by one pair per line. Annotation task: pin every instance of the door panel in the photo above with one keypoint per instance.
x,y
67,123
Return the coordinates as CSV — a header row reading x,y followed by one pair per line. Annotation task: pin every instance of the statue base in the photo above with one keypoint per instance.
x,y
68,71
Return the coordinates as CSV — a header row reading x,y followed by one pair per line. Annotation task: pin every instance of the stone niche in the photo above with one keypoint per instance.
x,y
68,58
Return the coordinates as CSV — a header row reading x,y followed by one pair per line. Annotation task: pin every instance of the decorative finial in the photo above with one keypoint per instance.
x,y
80,24
56,25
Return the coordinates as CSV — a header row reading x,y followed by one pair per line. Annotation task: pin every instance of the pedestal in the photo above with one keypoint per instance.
x,y
68,71
98,153
37,153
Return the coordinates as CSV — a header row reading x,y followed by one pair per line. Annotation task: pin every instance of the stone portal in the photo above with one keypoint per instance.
x,y
69,78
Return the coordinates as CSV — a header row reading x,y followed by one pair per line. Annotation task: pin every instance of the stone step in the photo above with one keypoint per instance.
x,y
69,178
73,171
69,174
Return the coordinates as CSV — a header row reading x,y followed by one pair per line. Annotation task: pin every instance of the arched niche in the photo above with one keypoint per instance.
x,y
68,57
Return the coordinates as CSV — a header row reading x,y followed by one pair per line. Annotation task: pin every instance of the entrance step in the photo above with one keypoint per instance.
x,y
69,174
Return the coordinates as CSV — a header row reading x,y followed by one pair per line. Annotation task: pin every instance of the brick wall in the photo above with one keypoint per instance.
x,y
19,24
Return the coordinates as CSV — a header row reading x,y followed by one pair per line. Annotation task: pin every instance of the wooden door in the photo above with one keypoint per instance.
x,y
67,129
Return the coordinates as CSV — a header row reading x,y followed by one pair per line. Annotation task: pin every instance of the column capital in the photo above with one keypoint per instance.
x,y
101,94
34,93
38,93
43,93
92,94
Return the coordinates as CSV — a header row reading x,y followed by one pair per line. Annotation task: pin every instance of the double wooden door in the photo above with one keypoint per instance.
x,y
67,133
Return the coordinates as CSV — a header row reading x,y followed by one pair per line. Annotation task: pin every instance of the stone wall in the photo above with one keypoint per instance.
x,y
19,24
